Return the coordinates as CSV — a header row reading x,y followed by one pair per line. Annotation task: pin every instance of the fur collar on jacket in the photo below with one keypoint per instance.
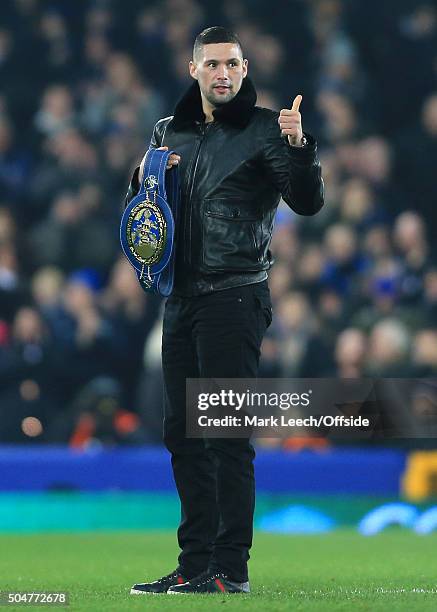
x,y
237,112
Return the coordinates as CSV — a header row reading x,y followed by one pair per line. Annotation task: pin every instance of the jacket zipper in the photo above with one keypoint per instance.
x,y
187,252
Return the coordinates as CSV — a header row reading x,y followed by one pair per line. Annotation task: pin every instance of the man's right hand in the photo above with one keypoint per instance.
x,y
173,160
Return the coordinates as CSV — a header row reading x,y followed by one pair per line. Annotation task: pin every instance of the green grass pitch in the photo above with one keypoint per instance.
x,y
342,570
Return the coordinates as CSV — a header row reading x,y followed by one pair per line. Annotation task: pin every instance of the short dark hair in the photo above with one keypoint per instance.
x,y
216,34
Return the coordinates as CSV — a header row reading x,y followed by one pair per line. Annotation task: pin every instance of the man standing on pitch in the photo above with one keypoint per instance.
x,y
235,160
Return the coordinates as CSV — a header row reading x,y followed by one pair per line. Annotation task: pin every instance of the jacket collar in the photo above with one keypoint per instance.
x,y
237,112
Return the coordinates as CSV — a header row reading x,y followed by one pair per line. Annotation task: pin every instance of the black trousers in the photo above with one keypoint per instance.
x,y
214,335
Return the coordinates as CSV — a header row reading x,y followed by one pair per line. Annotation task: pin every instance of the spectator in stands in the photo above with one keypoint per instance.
x,y
29,380
389,350
350,353
14,164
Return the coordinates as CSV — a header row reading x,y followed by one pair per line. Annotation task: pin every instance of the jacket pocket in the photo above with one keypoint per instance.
x,y
229,237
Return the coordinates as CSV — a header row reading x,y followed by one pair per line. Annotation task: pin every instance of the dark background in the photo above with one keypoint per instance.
x,y
354,288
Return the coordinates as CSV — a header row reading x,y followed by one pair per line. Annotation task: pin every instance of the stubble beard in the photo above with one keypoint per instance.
x,y
219,100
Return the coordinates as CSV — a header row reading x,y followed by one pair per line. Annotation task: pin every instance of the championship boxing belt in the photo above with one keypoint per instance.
x,y
147,230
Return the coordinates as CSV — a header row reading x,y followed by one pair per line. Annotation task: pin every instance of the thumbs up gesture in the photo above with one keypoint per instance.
x,y
290,122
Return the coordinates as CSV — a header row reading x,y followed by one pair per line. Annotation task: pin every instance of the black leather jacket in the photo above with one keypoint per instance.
x,y
233,172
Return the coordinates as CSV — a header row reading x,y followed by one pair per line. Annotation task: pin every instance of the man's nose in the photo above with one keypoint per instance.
x,y
222,72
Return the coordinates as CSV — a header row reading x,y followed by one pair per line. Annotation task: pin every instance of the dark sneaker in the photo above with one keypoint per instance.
x,y
159,586
208,582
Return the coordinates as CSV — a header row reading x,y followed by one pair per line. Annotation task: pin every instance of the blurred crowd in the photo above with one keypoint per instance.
x,y
354,288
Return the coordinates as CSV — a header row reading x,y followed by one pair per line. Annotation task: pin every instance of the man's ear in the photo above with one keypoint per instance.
x,y
193,70
245,67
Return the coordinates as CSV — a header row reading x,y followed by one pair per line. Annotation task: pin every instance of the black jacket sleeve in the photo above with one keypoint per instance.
x,y
295,171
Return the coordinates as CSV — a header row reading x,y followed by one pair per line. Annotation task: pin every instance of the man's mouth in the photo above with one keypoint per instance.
x,y
221,88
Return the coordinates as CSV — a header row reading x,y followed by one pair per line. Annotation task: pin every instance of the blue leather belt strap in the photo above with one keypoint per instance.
x,y
147,229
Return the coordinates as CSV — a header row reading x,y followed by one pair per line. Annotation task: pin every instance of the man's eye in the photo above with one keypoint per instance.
x,y
232,64
212,64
